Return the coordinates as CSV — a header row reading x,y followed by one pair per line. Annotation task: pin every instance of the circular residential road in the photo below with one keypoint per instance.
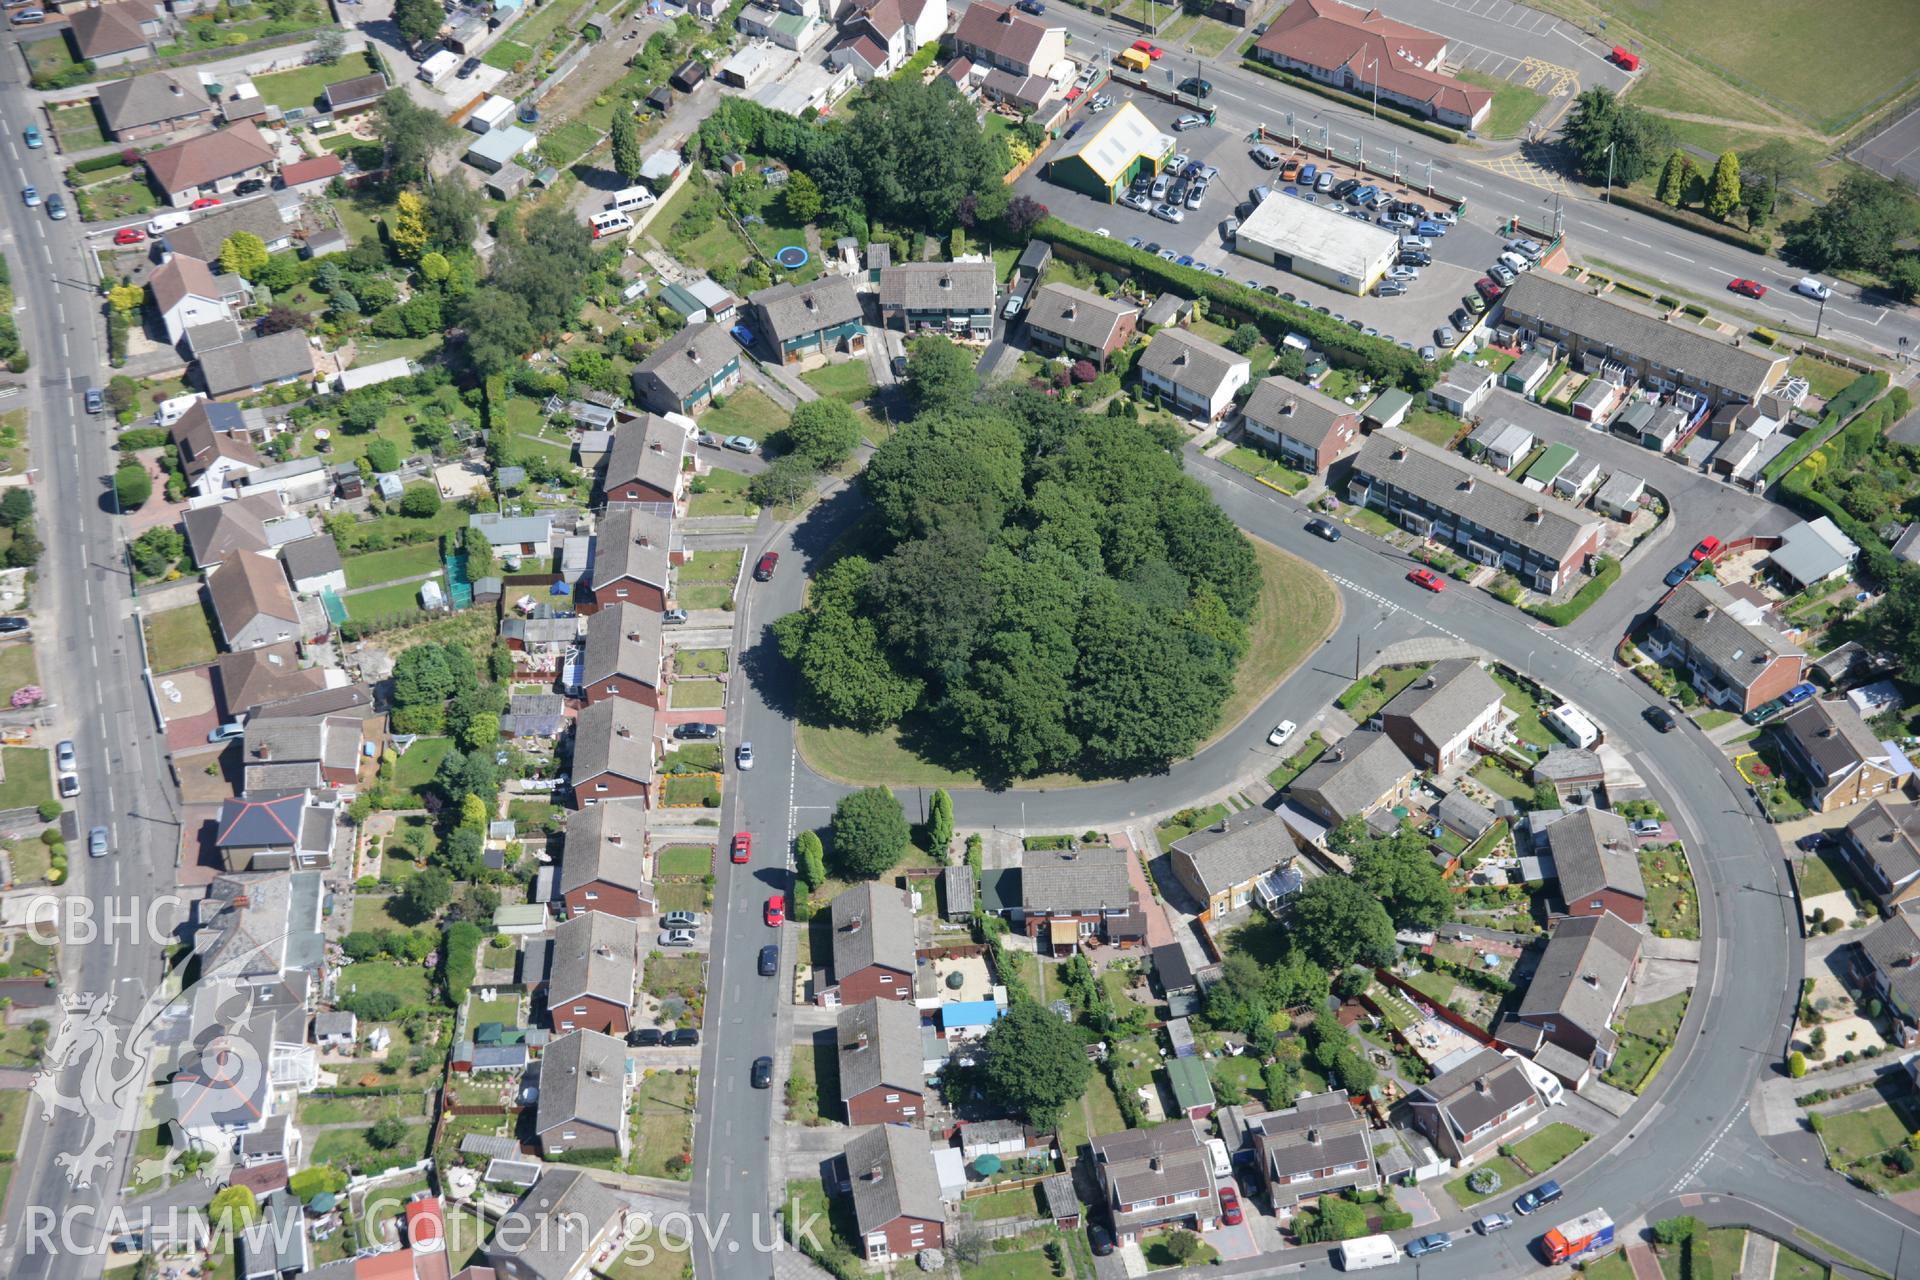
x,y
1688,1135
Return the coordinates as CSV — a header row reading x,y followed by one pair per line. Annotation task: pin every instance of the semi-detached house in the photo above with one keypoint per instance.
x,y
1734,662
1195,377
603,862
1068,896
873,948
1838,757
590,977
688,370
1310,430
565,1224
1668,357
623,656
1243,859
648,460
1490,519
1436,719
614,752
1889,962
896,1193
1076,323
997,37
584,1088
882,1062
954,298
1155,1177
252,603
1564,1019
633,558
1364,771
1318,1145
809,322
1597,863
1882,842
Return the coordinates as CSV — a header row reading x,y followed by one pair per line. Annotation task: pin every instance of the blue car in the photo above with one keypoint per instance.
x,y
1681,572
1430,229
742,335
1429,1244
1184,260
1798,694
1307,174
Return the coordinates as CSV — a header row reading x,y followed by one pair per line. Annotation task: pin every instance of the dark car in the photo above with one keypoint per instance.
x,y
899,366
1345,187
645,1037
251,187
1660,718
1429,1244
1099,1239
8,625
684,1037
769,960
696,731
762,1073
763,571
467,69
1681,572
1196,87
1324,529
1544,1194
1764,712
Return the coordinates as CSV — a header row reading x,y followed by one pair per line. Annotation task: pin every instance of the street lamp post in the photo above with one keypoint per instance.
x,y
1817,320
1609,194
1375,66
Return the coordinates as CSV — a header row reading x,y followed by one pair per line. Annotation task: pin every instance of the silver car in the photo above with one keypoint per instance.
x,y
676,938
1170,212
743,756
97,843
63,755
680,920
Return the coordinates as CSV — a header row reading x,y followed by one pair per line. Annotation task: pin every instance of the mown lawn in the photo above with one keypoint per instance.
x,y
699,694
1366,696
17,667
401,597
1511,1176
1513,105
846,380
720,493
416,768
684,860
1548,1147
693,790
747,412
29,777
407,981
700,662
303,85
712,566
370,568
179,638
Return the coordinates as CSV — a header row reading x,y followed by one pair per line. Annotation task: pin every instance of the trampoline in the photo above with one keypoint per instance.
x,y
793,257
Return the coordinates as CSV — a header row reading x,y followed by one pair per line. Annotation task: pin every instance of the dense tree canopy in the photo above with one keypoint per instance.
x,y
1398,870
1033,1063
1600,121
869,833
1861,225
1340,922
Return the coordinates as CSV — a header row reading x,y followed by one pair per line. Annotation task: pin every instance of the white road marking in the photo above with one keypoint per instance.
x,y
1707,1156
1671,254
1642,243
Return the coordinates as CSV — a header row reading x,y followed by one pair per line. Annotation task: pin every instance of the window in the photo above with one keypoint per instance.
x,y
593,895
909,1111
613,688
622,593
1594,905
893,1097
579,1011
599,786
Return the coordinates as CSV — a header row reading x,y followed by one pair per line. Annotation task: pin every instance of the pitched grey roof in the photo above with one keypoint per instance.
x,y
1889,836
1452,483
1832,735
893,1177
1700,613
1316,1132
688,359
1479,1089
649,449
1568,764
230,528
791,310
1502,436
1593,851
511,531
1364,766
938,286
958,883
1076,314
1814,550
1296,411
613,736
1252,843
582,1077
622,640
566,1213
1894,947
311,557
1145,1164
594,954
203,237
342,93
890,1055
1582,973
1449,697
1189,360
872,924
246,587
151,99
275,357
1078,879
1673,346
632,542
1619,490
1464,817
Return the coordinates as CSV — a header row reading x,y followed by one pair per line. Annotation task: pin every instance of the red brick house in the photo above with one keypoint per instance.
x,y
896,1193
1079,324
614,753
647,462
1310,430
1735,660
881,1074
591,973
1070,896
603,863
1597,862
873,945
632,559
623,656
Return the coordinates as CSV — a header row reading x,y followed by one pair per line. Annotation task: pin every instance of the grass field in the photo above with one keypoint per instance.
x,y
303,85
846,380
351,1147
77,128
341,1110
506,55
179,638
371,911
1364,697
1853,1135
747,412
711,566
370,568
1513,105
1783,51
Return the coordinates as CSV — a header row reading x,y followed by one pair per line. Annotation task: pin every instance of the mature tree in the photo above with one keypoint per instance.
x,y
812,857
481,732
383,455
546,265
279,319
1148,690
243,254
480,559
1674,178
387,1132
420,501
418,20
434,267
1033,1064
329,45
1398,870
823,431
24,552
412,134
408,230
232,1210
132,484
939,823
628,158
1339,922
1859,225
1903,277
1774,165
931,598
940,374
1022,215
156,550
784,482
1182,1246
16,508
836,645
426,894
870,833
499,332
1723,189
422,675
801,196
1599,123
1244,339
1355,1073
919,150
453,214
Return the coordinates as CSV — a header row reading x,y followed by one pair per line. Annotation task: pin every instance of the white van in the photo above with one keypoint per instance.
x,y
632,200
1812,288
165,222
1368,1252
1571,723
1514,262
171,411
1222,1162
610,223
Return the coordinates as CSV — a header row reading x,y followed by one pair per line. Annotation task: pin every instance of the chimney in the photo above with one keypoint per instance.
x,y
693,354
1399,453
807,301
175,90
614,838
624,732
856,924
644,540
656,446
1286,410
1313,1136
946,282
1533,516
876,1174
1153,1162
1706,614
860,1042
1466,486
241,900
1589,979
263,752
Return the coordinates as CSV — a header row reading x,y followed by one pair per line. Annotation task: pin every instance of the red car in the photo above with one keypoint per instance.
x,y
1488,288
1230,1210
742,846
777,910
129,235
205,202
1427,578
1751,288
763,571
1708,546
1149,48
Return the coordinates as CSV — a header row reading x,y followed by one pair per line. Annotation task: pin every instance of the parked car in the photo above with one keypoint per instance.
x,y
680,920
1488,289
251,187
1324,183
1544,1194
1645,827
205,202
684,1037
93,401
69,786
1281,733
762,1077
30,195
742,846
1230,1211
1137,202
97,843
1169,212
763,569
1444,336
1813,843
1429,353
1308,175
1492,1222
1034,7
1798,694
769,960
676,937
1189,121
1681,572
56,206
1195,87
1403,272
1660,718
63,756
1099,1239
228,731
740,444
1749,288
743,756
645,1037
696,731
1324,529
1707,548
673,618
1429,1244
1390,288
1764,712
1462,319
1429,579
1475,304
125,235
776,911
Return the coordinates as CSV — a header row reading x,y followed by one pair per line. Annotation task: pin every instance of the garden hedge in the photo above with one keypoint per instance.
x,y
1232,302
1853,397
1691,221
1605,575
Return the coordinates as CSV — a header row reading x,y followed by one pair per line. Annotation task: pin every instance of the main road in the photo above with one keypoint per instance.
x,y
1689,1133
89,664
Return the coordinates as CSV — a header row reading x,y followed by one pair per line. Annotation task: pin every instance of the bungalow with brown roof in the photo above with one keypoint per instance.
x,y
311,174
613,752
1362,50
212,164
252,603
603,862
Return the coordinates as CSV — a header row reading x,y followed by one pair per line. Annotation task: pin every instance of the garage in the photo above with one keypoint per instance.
x,y
1106,160
1317,243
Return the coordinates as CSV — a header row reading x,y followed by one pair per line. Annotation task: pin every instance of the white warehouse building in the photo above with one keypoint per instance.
x,y
1319,244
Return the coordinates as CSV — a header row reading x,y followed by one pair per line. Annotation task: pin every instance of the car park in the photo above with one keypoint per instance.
x,y
1681,572
1429,1244
762,1076
1660,718
1429,579
1748,288
97,843
696,731
1444,336
769,960
676,938
1281,733
1186,122
741,444
1544,1194
776,910
645,1038
763,570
